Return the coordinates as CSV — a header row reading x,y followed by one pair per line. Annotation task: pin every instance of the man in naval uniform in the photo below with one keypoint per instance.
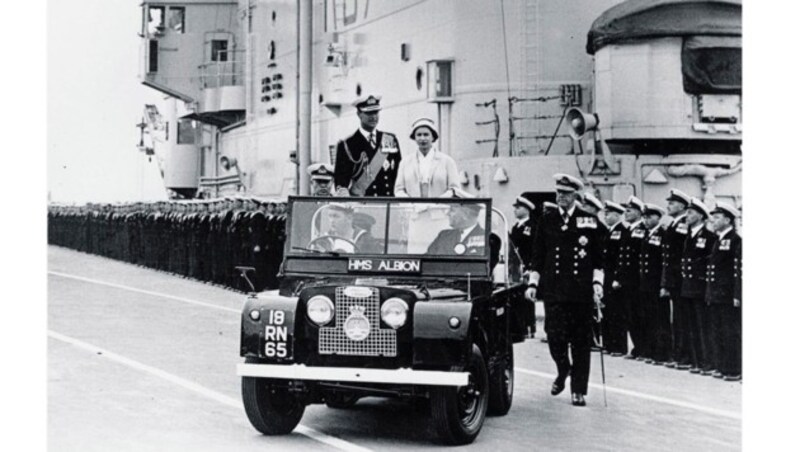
x,y
568,262
466,237
321,176
672,248
615,313
724,294
367,161
694,261
521,235
591,205
626,278
655,310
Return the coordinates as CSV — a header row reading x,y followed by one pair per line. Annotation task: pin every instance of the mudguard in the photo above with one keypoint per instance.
x,y
271,337
436,344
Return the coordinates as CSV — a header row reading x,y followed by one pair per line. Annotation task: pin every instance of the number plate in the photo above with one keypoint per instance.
x,y
276,334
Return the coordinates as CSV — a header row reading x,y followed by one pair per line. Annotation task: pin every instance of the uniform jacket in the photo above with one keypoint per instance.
x,y
694,262
651,260
521,236
444,175
611,248
724,275
566,256
449,243
627,271
672,248
347,169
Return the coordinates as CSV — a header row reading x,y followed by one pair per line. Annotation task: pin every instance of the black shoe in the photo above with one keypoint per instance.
x,y
658,363
732,378
717,374
578,400
616,354
557,388
671,364
630,357
694,370
683,366
707,372
648,361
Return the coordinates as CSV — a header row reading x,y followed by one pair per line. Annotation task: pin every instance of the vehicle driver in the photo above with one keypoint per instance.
x,y
344,235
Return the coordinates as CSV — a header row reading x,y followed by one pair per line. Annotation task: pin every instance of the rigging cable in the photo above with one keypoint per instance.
x,y
511,134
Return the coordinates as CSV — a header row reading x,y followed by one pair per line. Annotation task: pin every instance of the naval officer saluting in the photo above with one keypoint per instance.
x,y
568,258
367,161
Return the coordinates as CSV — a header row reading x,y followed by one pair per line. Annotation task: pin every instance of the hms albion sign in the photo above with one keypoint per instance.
x,y
384,265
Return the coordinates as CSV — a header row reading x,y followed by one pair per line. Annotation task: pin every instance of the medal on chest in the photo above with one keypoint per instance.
x,y
701,242
725,245
583,240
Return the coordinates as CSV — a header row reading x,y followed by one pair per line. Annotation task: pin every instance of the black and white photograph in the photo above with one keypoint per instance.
x,y
368,225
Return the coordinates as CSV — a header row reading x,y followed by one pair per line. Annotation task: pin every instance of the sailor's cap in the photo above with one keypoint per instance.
x,y
677,195
592,200
726,209
567,183
696,204
320,171
634,203
525,200
470,206
650,209
614,207
368,104
549,205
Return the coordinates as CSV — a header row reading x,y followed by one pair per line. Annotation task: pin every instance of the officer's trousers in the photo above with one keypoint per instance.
x,y
681,328
698,333
725,322
615,322
632,296
569,330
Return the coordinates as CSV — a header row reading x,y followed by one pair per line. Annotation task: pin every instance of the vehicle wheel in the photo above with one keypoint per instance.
x,y
341,400
501,386
271,410
458,413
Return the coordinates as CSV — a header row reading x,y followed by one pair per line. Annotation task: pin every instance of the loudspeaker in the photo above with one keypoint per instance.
x,y
227,162
580,122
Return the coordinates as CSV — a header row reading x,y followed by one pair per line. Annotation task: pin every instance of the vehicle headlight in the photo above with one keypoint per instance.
x,y
320,309
394,312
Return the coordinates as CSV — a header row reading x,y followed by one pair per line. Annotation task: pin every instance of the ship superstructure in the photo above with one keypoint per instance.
x,y
498,77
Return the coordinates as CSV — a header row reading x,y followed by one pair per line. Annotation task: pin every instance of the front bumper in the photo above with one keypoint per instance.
x,y
353,374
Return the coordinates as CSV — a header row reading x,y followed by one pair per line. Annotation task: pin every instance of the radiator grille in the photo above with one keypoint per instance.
x,y
380,342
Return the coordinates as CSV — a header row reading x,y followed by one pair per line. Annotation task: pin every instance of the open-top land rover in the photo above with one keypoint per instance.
x,y
390,297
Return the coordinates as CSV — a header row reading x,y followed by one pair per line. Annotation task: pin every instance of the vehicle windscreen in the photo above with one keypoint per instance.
x,y
389,228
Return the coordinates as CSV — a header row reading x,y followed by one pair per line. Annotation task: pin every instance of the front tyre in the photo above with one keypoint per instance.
x,y
272,410
458,412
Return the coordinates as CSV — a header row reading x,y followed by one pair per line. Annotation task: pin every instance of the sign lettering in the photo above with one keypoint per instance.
x,y
384,265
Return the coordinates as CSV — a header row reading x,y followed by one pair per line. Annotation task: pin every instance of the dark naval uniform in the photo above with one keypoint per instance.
x,y
672,241
655,321
521,237
615,314
353,158
694,263
566,255
449,242
627,275
723,285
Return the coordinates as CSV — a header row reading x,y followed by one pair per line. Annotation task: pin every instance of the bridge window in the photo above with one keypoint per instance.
x,y
176,18
155,20
219,50
186,129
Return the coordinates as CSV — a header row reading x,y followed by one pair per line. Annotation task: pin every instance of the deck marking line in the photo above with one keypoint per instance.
x,y
202,390
664,400
146,292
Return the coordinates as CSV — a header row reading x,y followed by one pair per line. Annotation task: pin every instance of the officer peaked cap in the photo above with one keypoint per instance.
x,y
567,183
677,195
591,199
341,206
320,171
614,207
525,200
696,204
368,104
726,209
653,209
634,203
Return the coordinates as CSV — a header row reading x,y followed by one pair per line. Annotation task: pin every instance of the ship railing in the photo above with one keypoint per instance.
x,y
228,70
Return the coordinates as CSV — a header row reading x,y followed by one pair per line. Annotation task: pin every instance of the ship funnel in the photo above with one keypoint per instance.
x,y
580,122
